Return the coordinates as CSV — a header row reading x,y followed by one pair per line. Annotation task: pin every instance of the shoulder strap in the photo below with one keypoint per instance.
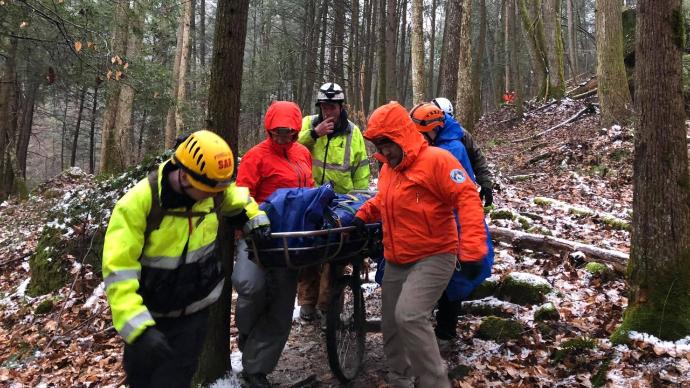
x,y
156,214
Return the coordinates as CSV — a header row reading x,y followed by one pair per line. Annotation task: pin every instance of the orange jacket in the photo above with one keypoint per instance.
x,y
415,200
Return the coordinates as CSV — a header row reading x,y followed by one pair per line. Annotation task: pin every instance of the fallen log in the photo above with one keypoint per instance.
x,y
589,109
585,94
554,245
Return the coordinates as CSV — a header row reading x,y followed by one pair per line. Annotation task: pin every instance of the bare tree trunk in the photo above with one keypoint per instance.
x,y
508,43
403,63
465,101
92,131
312,45
116,136
322,50
659,266
444,48
338,39
451,58
571,41
202,33
478,62
533,25
354,58
75,139
418,81
391,92
174,123
224,119
432,40
551,14
613,91
369,62
63,138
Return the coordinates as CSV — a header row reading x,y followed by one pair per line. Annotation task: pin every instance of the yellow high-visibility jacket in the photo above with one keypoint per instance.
x,y
176,271
341,159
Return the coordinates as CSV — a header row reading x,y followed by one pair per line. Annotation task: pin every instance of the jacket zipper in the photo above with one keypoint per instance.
x,y
297,170
426,218
390,216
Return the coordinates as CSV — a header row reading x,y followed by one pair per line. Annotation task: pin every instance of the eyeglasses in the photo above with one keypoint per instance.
x,y
282,131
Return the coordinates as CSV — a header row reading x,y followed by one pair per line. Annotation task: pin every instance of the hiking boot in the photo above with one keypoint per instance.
x,y
257,380
307,312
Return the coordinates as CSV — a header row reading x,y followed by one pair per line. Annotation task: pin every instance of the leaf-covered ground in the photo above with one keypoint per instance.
x,y
573,182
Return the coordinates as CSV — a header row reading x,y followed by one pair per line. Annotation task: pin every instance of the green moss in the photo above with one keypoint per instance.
x,y
502,214
488,209
538,229
525,222
678,28
573,347
580,212
486,288
499,329
599,170
616,223
541,201
44,307
547,312
619,154
596,268
598,379
521,289
546,330
48,272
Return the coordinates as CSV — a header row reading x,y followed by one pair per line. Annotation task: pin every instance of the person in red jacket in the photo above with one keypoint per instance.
x,y
419,187
266,297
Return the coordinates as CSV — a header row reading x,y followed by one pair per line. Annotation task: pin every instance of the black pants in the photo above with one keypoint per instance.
x,y
447,318
186,337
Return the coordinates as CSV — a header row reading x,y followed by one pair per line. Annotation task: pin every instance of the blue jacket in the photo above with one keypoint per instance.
x,y
450,138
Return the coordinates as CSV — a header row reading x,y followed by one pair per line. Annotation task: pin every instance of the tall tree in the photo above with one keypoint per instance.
x,y
613,91
390,51
417,41
224,119
8,114
551,14
432,50
571,40
659,268
174,123
117,142
465,96
451,56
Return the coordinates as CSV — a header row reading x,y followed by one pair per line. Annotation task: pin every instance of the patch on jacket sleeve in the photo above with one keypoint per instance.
x,y
457,176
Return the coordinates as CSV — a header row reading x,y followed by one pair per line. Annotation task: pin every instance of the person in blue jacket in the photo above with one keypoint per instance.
x,y
442,130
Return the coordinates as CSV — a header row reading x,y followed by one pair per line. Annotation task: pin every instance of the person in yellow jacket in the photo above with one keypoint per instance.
x,y
338,156
160,266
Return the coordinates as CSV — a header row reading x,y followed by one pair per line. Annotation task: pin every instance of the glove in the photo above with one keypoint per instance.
x,y
151,348
261,234
486,193
471,269
360,227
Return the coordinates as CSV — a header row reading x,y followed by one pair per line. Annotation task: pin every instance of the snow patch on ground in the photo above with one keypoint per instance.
x,y
674,349
529,278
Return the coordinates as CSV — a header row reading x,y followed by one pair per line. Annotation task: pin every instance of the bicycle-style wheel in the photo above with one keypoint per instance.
x,y
345,331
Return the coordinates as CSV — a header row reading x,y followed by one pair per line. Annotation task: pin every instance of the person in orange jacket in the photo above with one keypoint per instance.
x,y
419,187
266,296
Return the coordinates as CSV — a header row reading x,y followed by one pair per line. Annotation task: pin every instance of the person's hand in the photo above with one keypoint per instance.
x,y
325,127
486,193
360,227
261,234
471,269
153,347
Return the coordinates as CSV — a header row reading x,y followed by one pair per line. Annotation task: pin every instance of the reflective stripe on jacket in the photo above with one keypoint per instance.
x,y
344,157
176,271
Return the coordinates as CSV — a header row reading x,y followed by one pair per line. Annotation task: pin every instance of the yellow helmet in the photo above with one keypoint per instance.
x,y
207,160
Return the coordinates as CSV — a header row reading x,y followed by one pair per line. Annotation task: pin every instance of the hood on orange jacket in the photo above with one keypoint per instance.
x,y
393,122
416,199
283,114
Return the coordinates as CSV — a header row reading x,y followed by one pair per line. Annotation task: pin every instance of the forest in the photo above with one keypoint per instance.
x,y
580,107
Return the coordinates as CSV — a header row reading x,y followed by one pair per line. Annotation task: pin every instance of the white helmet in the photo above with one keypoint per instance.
x,y
330,92
444,104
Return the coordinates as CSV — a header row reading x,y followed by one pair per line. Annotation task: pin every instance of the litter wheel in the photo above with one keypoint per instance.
x,y
345,328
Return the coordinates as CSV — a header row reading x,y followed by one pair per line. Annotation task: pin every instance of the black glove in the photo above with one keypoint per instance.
x,y
471,269
151,348
360,227
486,193
261,234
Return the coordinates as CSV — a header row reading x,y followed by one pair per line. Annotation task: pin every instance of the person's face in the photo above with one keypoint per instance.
x,y
282,135
330,110
390,150
430,136
191,191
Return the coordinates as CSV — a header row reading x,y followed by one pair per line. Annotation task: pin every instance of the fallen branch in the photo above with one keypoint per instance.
x,y
539,157
554,245
589,109
585,94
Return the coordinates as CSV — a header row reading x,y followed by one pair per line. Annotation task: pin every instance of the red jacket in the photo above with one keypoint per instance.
x,y
415,200
268,166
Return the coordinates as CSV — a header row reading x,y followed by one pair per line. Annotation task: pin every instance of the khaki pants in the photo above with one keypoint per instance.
x,y
409,293
314,286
